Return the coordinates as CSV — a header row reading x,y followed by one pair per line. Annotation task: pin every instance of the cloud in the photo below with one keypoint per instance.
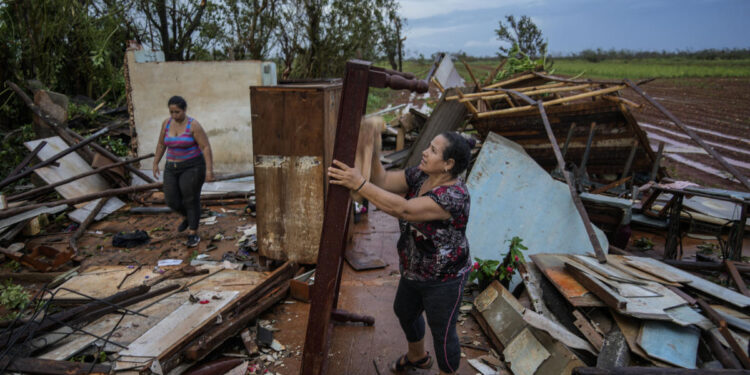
x,y
417,9
422,32
491,42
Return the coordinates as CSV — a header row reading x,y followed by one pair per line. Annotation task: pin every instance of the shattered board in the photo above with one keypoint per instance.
x,y
70,165
511,195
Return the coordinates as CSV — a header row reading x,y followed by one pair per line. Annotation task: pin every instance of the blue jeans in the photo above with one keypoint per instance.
x,y
440,301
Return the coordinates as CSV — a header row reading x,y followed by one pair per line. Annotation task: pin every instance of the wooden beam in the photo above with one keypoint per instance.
x,y
511,81
611,298
566,99
54,158
736,277
611,185
532,92
49,187
84,198
471,74
739,351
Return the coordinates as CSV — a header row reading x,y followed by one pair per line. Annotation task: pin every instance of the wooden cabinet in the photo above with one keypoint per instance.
x,y
294,126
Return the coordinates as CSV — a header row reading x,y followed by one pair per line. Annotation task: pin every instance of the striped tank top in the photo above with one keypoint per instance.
x,y
183,146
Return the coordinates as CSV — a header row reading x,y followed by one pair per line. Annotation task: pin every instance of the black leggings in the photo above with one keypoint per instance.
x,y
440,301
182,188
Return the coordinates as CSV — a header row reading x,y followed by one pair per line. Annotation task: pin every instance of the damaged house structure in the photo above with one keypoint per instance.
x,y
295,277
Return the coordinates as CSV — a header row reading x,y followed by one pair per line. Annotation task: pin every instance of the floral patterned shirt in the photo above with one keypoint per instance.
x,y
438,249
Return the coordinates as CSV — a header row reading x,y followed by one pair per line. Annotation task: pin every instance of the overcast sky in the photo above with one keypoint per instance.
x,y
575,25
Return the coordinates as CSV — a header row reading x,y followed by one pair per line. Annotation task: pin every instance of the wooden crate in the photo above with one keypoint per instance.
x,y
294,126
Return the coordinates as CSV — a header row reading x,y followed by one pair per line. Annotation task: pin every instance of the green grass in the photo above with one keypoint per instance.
x,y
657,68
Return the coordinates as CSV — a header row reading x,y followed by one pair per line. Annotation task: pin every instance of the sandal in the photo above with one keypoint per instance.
x,y
403,363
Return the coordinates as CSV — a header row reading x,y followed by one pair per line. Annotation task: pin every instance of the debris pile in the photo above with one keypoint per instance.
x,y
561,163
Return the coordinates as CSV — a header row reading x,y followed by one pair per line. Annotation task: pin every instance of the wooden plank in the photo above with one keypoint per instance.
x,y
702,284
604,292
553,267
630,328
736,277
447,116
180,323
654,267
557,331
620,262
525,353
670,343
335,221
607,270
112,205
501,311
70,165
31,214
588,330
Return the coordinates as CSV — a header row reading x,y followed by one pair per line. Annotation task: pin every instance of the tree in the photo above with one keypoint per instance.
x,y
390,27
323,34
252,24
177,27
523,33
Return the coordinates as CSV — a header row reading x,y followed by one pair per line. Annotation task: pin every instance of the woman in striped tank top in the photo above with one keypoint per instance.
x,y
189,164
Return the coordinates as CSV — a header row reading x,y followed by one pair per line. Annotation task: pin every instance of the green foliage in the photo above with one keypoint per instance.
x,y
644,243
518,61
13,296
484,269
114,144
513,258
708,248
13,151
522,34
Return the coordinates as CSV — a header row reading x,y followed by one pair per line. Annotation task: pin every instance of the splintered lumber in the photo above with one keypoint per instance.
x,y
204,340
46,188
229,328
447,115
610,297
655,371
84,198
51,367
566,99
55,157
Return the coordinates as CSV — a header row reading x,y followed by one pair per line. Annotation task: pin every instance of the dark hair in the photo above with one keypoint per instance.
x,y
458,149
178,101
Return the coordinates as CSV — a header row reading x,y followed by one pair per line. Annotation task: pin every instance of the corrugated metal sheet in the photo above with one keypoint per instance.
x,y
511,195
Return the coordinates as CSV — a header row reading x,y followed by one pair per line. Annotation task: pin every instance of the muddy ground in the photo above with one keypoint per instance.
x,y
716,109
